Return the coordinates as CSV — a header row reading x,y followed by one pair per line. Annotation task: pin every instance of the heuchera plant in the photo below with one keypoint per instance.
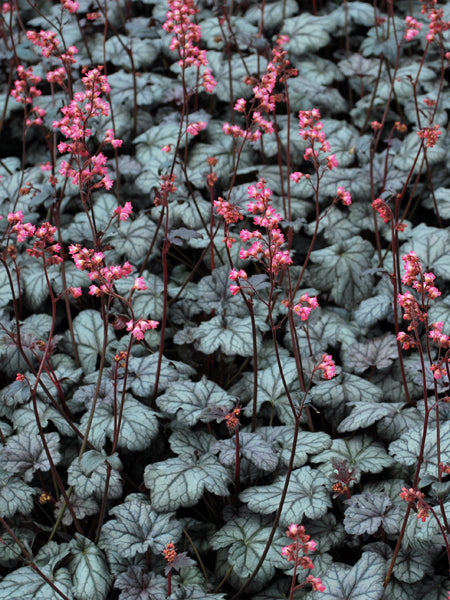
x,y
224,310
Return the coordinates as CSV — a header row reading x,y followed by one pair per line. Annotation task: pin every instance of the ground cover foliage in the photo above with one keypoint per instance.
x,y
224,306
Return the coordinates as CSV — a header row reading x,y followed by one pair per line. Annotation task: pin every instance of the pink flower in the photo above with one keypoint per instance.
x,y
140,326
124,211
195,128
316,583
139,284
327,366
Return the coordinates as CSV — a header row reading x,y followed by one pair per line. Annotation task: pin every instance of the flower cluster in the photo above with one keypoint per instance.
x,y
298,551
45,244
415,277
24,91
138,327
21,229
430,135
386,213
311,130
437,24
411,495
264,100
186,36
170,553
327,366
123,212
413,28
305,306
85,106
267,251
232,419
230,212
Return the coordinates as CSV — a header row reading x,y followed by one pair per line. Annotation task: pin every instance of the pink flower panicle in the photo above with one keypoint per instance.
x,y
232,419
264,99
138,327
298,551
411,495
327,366
305,306
413,28
45,244
437,25
170,553
195,128
268,251
186,37
230,212
343,196
25,91
382,209
73,126
311,130
430,135
21,229
415,277
123,212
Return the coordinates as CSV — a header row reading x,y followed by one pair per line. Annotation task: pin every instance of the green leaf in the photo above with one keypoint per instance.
x,y
102,212
367,512
353,179
121,83
377,352
24,454
27,584
333,396
307,33
246,539
363,452
142,371
89,475
411,565
89,569
5,289
134,238
136,582
405,156
270,389
88,329
305,92
407,449
236,69
374,309
81,507
363,581
274,13
442,197
182,481
189,400
149,143
365,414
144,52
230,335
309,442
15,496
32,330
138,428
252,447
340,269
307,495
137,528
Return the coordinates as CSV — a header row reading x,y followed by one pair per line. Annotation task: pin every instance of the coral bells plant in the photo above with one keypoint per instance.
x,y
224,312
